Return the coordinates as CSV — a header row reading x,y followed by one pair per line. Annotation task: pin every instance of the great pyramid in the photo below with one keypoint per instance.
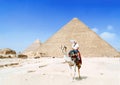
x,y
30,51
91,45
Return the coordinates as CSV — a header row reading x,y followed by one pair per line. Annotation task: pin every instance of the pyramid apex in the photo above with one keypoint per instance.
x,y
37,41
75,18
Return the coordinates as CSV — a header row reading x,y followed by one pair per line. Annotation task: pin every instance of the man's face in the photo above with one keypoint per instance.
x,y
74,42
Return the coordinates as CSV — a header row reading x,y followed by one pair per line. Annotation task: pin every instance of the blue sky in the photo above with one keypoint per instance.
x,y
24,21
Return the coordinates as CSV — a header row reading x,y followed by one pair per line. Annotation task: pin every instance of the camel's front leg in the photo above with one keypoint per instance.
x,y
78,72
79,66
74,71
71,71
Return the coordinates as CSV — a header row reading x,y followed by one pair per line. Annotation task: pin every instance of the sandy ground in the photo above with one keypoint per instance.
x,y
53,71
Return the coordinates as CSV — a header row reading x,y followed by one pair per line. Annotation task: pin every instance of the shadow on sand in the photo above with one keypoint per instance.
x,y
81,78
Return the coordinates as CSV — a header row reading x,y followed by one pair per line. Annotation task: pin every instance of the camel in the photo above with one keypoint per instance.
x,y
72,62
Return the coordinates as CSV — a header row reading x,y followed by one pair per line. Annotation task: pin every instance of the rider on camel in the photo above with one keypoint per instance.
x,y
75,47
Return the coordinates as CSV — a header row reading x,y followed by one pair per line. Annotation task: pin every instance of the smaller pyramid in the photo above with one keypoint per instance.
x,y
34,46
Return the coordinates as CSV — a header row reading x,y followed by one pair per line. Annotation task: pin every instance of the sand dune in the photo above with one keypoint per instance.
x,y
53,71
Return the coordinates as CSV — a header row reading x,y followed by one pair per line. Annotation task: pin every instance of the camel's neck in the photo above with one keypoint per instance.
x,y
65,52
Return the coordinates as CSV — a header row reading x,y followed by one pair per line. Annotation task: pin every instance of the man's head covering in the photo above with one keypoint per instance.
x,y
72,41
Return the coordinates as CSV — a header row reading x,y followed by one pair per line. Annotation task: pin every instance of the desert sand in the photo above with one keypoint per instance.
x,y
54,71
